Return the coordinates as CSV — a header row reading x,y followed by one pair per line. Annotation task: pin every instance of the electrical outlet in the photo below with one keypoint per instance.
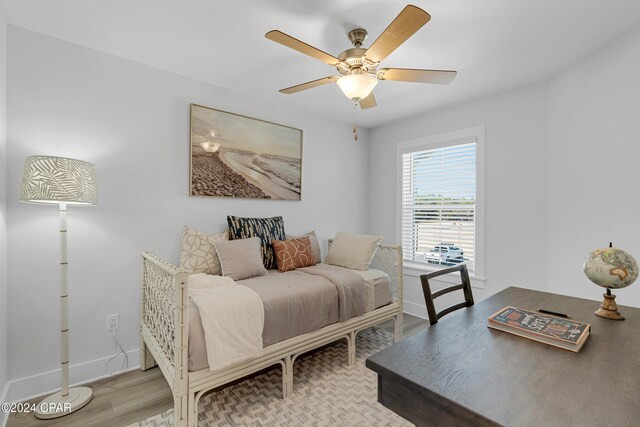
x,y
113,322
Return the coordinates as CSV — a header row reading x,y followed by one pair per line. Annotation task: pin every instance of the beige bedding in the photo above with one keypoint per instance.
x,y
351,288
298,302
294,303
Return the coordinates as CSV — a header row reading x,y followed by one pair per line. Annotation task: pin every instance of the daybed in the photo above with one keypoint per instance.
x,y
165,324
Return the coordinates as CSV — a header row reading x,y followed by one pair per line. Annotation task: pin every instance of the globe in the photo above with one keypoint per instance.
x,y
611,268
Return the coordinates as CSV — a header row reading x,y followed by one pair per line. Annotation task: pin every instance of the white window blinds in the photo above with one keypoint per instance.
x,y
438,205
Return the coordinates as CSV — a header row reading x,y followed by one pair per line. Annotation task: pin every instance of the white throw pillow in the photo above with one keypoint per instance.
x,y
241,259
198,253
315,245
354,251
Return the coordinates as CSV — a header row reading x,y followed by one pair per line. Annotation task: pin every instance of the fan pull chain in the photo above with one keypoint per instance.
x,y
355,125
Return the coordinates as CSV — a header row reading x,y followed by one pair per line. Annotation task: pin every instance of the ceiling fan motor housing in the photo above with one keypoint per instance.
x,y
353,59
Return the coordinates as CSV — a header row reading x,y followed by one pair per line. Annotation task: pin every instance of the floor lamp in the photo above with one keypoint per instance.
x,y
61,181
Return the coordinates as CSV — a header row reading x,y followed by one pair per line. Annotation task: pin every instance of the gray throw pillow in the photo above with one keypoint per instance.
x,y
241,259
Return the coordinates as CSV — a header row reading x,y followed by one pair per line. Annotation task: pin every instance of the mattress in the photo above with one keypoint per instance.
x,y
312,304
378,288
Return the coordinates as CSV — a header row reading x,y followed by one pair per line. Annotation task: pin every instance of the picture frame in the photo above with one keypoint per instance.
x,y
237,156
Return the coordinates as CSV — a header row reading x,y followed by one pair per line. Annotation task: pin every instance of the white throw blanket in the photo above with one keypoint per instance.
x,y
232,319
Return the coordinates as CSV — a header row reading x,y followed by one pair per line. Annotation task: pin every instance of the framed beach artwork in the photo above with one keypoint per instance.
x,y
237,156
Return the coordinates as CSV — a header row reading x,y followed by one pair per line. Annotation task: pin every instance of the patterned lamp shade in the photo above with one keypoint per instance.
x,y
48,179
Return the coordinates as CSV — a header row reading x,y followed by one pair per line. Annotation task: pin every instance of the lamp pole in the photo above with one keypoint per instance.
x,y
64,302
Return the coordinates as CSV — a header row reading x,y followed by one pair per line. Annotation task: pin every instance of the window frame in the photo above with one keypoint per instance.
x,y
463,136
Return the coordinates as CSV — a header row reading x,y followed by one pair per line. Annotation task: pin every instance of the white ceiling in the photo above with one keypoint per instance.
x,y
494,45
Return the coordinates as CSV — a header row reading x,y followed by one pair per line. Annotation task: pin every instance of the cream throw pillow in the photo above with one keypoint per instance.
x,y
354,251
198,254
241,259
315,245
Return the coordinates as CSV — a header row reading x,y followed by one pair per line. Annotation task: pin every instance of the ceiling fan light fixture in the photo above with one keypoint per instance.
x,y
357,86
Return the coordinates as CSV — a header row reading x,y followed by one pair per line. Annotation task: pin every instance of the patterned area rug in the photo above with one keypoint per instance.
x,y
325,392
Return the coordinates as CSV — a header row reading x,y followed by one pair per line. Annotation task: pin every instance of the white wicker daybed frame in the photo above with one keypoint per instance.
x,y
164,333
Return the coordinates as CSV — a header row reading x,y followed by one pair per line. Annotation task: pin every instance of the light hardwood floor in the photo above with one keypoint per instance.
x,y
136,395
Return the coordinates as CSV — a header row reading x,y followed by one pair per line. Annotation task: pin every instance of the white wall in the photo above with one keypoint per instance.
x,y
561,174
594,165
515,185
132,121
3,212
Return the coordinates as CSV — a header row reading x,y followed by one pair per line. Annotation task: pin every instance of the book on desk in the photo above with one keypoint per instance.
x,y
557,331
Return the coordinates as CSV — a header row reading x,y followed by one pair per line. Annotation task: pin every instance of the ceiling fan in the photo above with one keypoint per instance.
x,y
358,66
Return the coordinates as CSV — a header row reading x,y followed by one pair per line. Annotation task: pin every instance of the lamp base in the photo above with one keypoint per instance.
x,y
56,406
609,309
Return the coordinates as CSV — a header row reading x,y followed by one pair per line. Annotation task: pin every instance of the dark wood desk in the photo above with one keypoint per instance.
x,y
460,372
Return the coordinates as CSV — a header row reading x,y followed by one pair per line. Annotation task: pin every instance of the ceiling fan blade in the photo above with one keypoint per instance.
x,y
368,102
309,85
302,47
410,20
442,77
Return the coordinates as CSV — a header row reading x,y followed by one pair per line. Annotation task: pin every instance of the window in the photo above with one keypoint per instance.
x,y
440,204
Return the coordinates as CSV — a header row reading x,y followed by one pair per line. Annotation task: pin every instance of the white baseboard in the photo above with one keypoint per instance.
x,y
45,383
4,416
418,310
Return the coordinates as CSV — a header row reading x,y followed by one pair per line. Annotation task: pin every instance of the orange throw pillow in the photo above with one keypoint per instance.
x,y
294,253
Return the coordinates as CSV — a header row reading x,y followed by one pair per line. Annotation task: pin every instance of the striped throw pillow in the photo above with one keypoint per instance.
x,y
267,229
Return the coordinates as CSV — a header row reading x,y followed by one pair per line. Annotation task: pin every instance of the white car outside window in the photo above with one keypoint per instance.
x,y
445,253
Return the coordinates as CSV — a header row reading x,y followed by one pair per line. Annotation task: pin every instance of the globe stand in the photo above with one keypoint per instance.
x,y
609,309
